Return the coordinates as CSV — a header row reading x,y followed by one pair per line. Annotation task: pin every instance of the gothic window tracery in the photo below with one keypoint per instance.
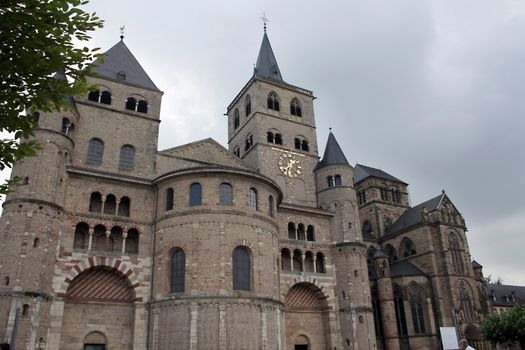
x,y
455,252
416,306
249,142
295,108
407,248
391,252
465,300
400,310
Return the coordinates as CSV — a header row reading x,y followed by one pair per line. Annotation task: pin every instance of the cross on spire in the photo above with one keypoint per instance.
x,y
122,32
265,20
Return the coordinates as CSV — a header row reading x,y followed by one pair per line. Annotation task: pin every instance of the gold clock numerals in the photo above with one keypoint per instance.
x,y
290,165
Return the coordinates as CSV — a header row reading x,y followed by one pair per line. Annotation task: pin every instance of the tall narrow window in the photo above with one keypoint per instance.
x,y
297,260
241,268
131,103
297,143
337,180
416,306
270,137
225,194
237,151
396,196
80,240
308,262
273,101
271,206
66,126
142,106
305,146
384,194
310,233
95,151
98,241
195,194
95,202
123,206
320,263
110,205
465,300
301,234
286,259
132,241
236,119
455,252
178,270
247,105
278,139
295,108
367,228
330,180
127,157
94,95
169,199
252,198
292,231
400,310
391,252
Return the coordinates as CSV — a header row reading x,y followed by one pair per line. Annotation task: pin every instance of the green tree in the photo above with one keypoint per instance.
x,y
37,41
508,326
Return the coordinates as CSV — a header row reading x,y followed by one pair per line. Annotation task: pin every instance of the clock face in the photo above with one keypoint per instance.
x,y
290,165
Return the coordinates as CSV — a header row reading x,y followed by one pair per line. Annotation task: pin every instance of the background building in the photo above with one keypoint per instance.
x,y
109,243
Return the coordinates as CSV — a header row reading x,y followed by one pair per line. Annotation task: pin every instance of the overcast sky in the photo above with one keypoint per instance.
x,y
429,91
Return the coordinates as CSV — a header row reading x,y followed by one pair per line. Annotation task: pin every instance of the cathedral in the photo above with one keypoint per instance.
x,y
108,243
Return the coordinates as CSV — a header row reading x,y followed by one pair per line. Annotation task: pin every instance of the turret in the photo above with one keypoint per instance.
x,y
386,301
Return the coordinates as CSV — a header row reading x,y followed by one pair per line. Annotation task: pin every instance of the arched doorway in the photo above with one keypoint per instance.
x,y
474,338
100,300
306,317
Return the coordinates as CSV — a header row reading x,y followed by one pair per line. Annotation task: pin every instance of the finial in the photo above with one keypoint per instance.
x,y
330,128
265,20
122,32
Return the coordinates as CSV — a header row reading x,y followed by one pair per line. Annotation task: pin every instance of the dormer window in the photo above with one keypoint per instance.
x,y
295,108
273,101
121,75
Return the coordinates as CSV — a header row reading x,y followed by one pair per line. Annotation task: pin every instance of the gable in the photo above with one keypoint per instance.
x,y
206,152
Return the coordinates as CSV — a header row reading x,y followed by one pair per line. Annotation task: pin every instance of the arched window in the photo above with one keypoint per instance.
x,y
305,146
249,142
337,179
396,196
195,194
94,95
123,206
407,248
169,199
361,197
237,151
297,143
384,193
66,126
241,268
295,108
6,280
465,300
225,194
98,240
370,260
25,310
178,270
278,139
400,310
132,242
319,263
271,206
273,101
416,306
110,205
367,228
330,181
310,233
95,202
301,235
95,341
115,241
308,262
292,233
105,97
131,103
269,137
127,157
236,119
36,242
391,252
286,259
297,260
252,198
142,106
80,240
95,151
247,105
455,252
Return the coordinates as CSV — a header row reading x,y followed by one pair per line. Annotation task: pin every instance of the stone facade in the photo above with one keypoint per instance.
x,y
109,243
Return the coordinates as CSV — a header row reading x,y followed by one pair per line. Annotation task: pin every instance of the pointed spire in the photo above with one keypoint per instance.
x,y
119,64
332,153
266,66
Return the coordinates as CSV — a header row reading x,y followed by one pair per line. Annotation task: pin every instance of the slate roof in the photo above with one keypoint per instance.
x,y
332,154
119,59
266,65
362,172
404,268
412,215
506,295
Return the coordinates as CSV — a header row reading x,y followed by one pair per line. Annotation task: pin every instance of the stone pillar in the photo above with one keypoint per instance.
x,y
124,236
106,246
303,262
90,239
315,262
386,301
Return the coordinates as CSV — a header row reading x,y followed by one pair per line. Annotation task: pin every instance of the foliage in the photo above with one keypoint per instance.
x,y
36,42
508,326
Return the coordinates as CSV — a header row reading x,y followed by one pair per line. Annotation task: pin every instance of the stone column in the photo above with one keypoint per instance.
x,y
124,236
90,239
303,258
108,233
315,262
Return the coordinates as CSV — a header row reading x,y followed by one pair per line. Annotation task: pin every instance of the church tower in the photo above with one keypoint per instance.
x,y
271,126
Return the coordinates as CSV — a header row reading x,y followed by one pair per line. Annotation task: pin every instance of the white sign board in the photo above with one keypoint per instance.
x,y
449,338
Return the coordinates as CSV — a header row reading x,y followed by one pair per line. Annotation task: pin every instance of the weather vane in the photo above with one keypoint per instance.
x,y
265,20
122,32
